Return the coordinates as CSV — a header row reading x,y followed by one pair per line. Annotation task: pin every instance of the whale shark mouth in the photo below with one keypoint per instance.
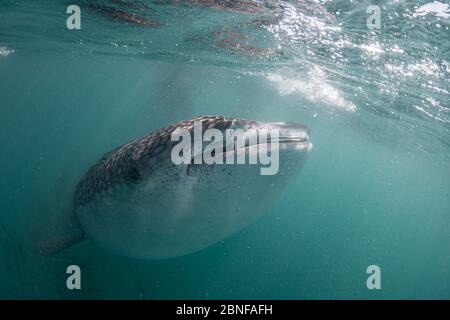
x,y
287,141
298,145
300,141
297,135
290,135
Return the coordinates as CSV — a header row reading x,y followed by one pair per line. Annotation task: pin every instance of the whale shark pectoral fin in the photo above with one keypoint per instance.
x,y
54,244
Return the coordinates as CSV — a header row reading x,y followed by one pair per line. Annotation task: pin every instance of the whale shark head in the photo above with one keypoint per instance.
x,y
140,201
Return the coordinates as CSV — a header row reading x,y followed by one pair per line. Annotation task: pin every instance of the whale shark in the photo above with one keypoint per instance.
x,y
136,202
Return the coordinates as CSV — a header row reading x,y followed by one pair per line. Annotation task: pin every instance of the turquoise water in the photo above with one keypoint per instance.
x,y
375,189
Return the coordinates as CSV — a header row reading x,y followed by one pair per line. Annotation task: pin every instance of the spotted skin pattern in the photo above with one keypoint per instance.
x,y
119,166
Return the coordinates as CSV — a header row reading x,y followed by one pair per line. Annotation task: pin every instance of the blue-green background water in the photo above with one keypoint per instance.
x,y
375,189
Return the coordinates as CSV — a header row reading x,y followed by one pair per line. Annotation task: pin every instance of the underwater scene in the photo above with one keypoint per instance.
x,y
120,128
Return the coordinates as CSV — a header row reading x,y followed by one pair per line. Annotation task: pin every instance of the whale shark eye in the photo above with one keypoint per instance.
x,y
133,175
